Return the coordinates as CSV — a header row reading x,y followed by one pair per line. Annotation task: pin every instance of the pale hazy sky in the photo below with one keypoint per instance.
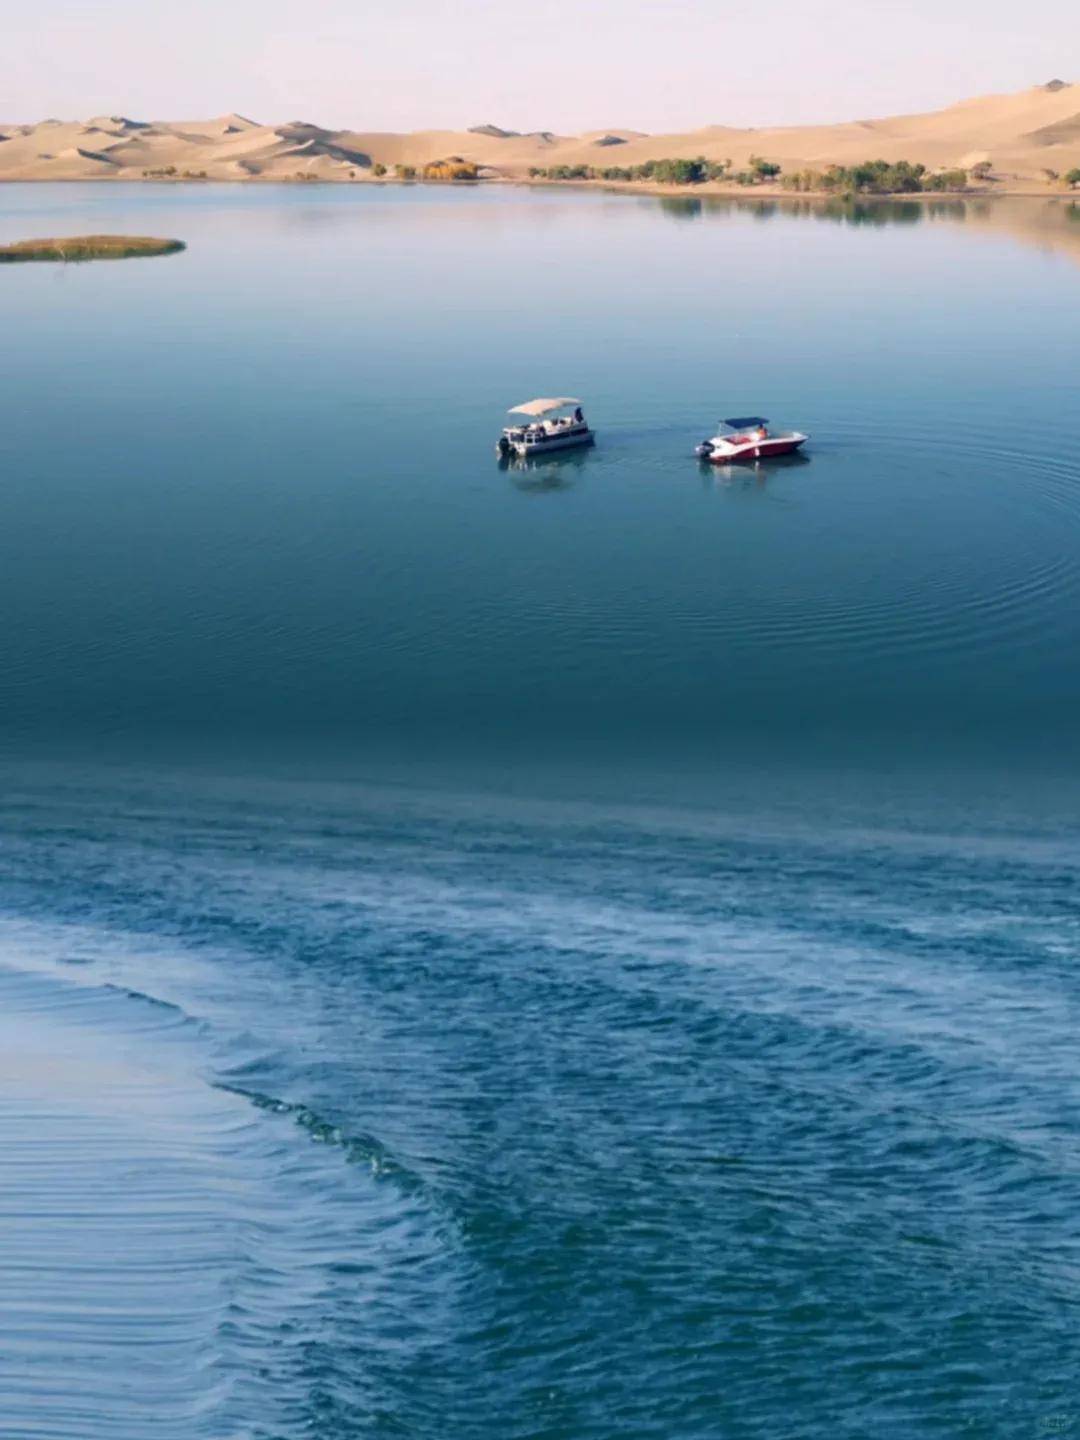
x,y
554,64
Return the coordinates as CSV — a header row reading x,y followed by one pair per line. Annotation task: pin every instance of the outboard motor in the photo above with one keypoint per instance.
x,y
704,450
502,446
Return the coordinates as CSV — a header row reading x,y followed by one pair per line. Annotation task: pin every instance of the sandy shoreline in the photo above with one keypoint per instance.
x,y
705,190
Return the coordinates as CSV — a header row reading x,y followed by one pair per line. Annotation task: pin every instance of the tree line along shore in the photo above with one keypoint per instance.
x,y
869,177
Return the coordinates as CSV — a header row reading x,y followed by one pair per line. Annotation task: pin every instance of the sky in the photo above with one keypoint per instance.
x,y
564,65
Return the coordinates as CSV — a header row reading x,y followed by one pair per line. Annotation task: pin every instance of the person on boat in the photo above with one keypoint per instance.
x,y
578,416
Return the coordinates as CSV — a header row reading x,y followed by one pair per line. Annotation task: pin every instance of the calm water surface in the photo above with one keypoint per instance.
x,y
586,951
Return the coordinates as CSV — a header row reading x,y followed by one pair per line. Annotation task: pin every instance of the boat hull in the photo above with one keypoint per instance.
x,y
767,449
552,443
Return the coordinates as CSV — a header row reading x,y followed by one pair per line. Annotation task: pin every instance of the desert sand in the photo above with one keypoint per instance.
x,y
1022,136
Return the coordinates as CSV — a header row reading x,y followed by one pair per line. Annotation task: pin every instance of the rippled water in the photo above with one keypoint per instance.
x,y
579,952
398,1116
251,507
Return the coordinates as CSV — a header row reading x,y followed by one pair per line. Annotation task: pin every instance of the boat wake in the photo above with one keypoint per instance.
x,y
365,1112
233,1246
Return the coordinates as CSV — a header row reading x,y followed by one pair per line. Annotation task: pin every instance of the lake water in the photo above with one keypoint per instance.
x,y
538,954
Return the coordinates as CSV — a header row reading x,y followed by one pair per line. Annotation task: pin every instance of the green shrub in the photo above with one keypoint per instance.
x,y
946,180
875,177
676,170
763,169
804,180
880,177
453,168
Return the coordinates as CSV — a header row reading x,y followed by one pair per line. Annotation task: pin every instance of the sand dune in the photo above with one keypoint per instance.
x,y
1022,135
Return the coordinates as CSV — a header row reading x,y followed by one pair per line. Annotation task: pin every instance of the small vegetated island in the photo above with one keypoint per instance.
x,y
870,177
88,247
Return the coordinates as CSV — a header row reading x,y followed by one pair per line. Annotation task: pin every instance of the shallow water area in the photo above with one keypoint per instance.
x,y
562,952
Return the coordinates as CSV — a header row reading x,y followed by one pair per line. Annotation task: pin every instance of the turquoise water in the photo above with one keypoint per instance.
x,y
584,951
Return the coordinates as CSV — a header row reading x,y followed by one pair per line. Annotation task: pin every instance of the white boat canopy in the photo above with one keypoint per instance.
x,y
543,407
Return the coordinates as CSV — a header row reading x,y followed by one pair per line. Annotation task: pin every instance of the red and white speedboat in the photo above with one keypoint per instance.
x,y
748,437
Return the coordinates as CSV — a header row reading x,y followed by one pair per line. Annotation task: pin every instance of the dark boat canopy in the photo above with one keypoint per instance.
x,y
745,422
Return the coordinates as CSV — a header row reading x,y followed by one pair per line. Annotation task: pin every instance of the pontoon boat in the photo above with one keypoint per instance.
x,y
554,424
748,437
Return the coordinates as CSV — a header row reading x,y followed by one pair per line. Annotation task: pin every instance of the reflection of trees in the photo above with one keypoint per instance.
x,y
681,207
878,213
947,209
1052,221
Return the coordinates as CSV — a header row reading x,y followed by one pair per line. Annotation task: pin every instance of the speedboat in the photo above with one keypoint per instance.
x,y
553,424
748,437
